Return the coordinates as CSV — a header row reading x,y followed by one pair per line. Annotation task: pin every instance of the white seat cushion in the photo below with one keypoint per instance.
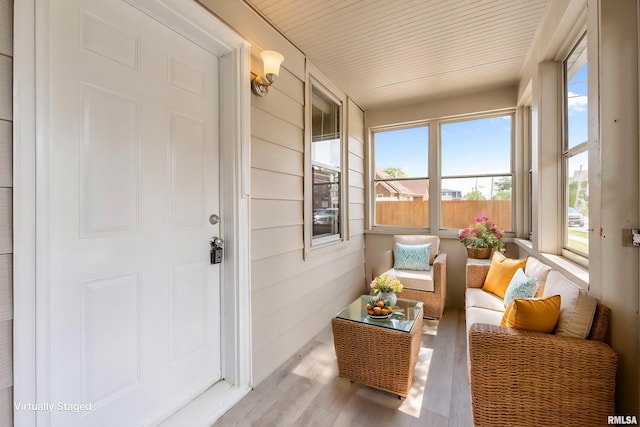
x,y
482,315
414,279
476,297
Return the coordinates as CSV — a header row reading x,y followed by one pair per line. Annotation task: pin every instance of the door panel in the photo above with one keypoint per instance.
x,y
110,162
134,314
188,296
187,171
110,337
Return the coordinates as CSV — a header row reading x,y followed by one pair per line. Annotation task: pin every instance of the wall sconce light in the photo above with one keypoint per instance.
x,y
271,60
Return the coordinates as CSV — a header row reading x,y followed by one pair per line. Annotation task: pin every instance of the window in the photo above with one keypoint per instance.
x,y
326,166
476,170
575,154
529,144
475,165
401,177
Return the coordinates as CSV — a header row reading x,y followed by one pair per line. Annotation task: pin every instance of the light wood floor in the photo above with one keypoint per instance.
x,y
306,390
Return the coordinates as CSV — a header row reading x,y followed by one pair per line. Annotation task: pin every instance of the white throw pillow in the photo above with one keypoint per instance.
x,y
576,306
540,271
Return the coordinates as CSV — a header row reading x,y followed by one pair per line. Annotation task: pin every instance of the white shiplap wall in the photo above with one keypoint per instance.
x,y
6,194
292,298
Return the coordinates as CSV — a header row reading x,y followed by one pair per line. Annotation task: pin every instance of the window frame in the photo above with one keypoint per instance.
x,y
324,244
528,143
451,231
372,174
434,172
566,154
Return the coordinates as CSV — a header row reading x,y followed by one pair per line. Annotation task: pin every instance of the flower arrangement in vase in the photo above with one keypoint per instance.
x,y
481,237
386,287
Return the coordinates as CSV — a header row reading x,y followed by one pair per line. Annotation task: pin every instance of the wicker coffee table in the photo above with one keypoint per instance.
x,y
379,353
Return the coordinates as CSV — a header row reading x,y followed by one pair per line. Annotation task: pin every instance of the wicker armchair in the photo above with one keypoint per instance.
x,y
414,287
521,378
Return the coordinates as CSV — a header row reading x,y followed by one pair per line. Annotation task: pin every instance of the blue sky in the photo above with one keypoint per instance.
x,y
476,146
468,147
406,149
577,101
481,146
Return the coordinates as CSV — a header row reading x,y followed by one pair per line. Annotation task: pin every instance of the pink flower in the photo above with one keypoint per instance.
x,y
483,233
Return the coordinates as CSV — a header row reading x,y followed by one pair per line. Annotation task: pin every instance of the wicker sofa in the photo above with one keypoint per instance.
x,y
522,378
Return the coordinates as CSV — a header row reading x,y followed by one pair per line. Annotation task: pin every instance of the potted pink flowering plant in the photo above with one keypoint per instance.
x,y
481,237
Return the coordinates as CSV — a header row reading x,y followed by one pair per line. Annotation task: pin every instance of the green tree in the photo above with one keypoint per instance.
x,y
503,189
395,172
584,193
503,184
474,195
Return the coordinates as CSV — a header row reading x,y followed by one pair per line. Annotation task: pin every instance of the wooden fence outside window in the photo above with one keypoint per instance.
x,y
454,213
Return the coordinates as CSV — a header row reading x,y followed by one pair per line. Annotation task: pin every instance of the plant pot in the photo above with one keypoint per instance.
x,y
479,253
388,296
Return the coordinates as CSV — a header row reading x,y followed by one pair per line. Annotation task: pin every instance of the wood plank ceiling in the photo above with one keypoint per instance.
x,y
386,52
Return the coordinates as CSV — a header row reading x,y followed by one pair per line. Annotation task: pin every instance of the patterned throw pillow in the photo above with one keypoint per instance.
x,y
520,286
412,257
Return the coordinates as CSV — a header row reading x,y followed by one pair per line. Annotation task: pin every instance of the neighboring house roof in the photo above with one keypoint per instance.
x,y
418,186
414,188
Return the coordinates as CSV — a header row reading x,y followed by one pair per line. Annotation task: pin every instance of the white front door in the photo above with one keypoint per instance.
x,y
134,313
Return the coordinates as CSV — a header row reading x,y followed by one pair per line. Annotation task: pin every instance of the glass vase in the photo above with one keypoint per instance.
x,y
389,297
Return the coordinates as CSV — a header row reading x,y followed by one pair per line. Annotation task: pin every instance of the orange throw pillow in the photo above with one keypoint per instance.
x,y
536,314
500,273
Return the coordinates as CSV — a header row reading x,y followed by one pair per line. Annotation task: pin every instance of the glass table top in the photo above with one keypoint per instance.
x,y
402,319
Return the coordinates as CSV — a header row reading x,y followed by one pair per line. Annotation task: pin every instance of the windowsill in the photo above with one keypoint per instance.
x,y
445,234
325,247
571,269
397,230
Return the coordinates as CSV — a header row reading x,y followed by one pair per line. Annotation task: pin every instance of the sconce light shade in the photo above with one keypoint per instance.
x,y
271,61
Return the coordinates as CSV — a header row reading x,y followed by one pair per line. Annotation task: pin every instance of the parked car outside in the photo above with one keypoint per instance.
x,y
575,218
325,216
326,222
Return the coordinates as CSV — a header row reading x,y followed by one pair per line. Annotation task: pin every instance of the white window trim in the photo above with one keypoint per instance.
x,y
435,175
394,229
545,242
323,245
565,154
453,232
524,135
